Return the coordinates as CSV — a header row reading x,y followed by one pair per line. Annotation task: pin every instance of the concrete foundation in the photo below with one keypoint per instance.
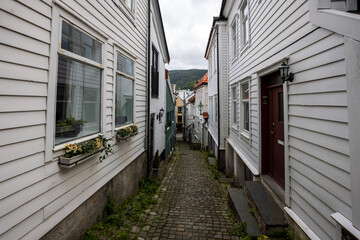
x,y
125,184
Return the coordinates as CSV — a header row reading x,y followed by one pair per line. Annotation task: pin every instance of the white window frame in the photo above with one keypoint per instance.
x,y
131,57
234,108
211,110
244,132
216,109
129,12
343,23
243,21
234,39
52,151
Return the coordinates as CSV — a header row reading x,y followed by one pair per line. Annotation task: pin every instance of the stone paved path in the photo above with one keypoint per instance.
x,y
192,204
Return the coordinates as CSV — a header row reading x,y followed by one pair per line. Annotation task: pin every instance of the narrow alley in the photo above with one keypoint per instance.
x,y
192,204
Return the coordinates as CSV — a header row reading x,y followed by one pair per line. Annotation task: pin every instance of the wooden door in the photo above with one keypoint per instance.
x,y
272,123
276,135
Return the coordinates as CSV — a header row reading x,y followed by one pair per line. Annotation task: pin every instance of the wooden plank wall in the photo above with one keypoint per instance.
x,y
318,131
35,193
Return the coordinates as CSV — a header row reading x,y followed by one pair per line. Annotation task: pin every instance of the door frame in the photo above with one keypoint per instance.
x,y
261,73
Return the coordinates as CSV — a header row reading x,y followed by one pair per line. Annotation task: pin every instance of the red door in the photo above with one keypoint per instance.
x,y
272,123
276,135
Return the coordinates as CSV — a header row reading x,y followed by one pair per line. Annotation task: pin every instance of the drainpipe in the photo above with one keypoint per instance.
x,y
148,92
218,88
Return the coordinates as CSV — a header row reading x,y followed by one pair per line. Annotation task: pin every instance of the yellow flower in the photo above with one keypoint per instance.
x,y
99,143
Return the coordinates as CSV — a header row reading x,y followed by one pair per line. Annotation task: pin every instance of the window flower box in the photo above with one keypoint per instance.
x,y
127,132
78,153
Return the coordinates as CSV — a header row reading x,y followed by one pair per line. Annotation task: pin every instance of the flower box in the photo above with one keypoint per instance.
x,y
118,138
73,161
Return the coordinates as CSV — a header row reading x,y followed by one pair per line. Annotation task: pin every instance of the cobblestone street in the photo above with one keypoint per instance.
x,y
192,204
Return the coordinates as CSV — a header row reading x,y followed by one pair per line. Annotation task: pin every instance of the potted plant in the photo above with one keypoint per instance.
x,y
125,133
69,127
76,153
156,164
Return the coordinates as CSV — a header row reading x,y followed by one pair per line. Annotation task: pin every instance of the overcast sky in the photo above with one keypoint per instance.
x,y
187,26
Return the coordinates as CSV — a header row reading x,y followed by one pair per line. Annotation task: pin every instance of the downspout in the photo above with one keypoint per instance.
x,y
218,87
148,91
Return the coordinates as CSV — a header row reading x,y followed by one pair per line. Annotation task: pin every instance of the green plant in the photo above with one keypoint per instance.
x,y
252,211
117,219
168,123
127,132
262,237
156,160
67,122
97,144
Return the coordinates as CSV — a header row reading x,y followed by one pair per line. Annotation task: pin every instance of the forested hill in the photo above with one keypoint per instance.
x,y
186,79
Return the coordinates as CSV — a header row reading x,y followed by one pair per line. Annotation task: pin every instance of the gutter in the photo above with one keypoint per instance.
x,y
148,93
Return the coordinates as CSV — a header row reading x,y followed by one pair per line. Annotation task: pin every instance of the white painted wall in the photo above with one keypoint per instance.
x,y
36,194
318,173
157,103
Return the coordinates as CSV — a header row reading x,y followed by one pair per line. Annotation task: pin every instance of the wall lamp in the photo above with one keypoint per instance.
x,y
200,106
284,73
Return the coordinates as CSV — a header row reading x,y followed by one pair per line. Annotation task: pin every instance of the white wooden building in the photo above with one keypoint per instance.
x,y
302,137
61,59
217,55
159,56
201,99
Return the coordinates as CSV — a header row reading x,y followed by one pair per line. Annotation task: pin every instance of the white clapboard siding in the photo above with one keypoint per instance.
x,y
317,120
37,196
22,88
19,41
15,168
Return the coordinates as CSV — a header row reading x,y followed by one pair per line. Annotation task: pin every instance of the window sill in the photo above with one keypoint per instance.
x,y
245,135
345,223
77,141
121,127
234,127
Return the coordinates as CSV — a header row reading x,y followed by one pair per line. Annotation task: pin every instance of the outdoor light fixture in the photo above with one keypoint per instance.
x,y
161,113
284,73
200,106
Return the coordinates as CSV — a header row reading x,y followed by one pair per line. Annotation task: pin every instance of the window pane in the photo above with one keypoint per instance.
x,y
77,101
244,10
125,65
246,116
245,91
124,101
75,41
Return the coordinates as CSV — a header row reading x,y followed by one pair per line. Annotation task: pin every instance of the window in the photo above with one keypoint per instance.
x,y
245,105
179,109
155,73
234,106
78,97
233,38
179,119
346,5
216,108
215,59
128,3
124,90
211,109
245,26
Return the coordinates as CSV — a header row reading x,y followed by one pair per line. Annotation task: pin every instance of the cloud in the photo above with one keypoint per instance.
x,y
187,26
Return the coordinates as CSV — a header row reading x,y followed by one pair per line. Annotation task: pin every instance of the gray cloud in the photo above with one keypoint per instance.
x,y
187,26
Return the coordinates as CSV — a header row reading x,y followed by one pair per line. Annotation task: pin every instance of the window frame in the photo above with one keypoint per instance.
x,y
130,13
133,78
234,38
154,52
244,20
51,150
216,110
245,132
234,108
180,110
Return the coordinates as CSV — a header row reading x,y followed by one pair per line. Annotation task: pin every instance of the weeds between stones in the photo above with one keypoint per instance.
x,y
117,220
